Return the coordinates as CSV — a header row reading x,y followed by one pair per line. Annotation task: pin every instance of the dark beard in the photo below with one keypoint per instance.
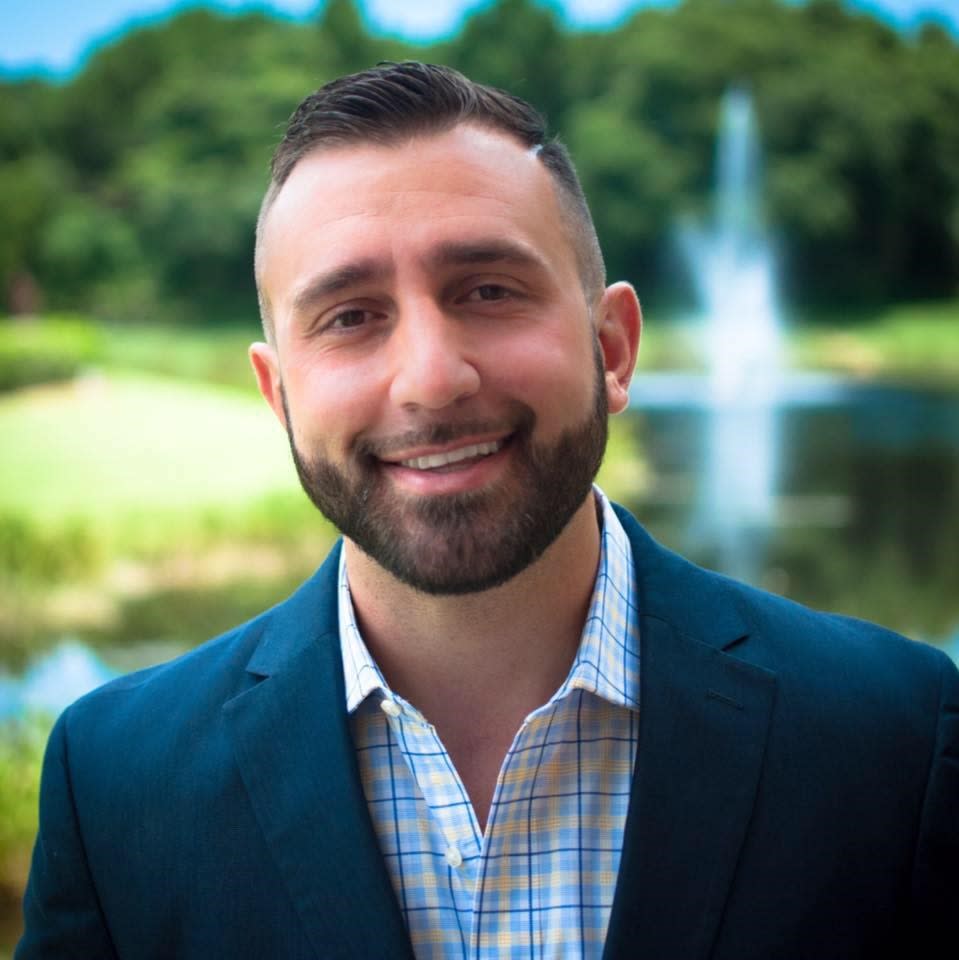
x,y
464,543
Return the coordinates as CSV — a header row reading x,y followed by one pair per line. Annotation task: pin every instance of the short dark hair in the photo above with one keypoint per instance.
x,y
393,102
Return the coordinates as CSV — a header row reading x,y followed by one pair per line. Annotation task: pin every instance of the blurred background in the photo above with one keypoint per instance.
x,y
779,180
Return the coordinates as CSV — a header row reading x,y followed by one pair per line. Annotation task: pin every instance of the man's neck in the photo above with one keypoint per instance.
x,y
478,664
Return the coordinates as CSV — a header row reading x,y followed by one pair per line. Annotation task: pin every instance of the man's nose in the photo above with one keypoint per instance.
x,y
432,368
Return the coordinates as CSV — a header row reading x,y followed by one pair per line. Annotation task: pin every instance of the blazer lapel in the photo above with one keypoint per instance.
x,y
296,757
703,723
704,719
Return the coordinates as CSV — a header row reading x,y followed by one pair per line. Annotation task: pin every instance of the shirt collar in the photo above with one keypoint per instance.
x,y
607,661
361,674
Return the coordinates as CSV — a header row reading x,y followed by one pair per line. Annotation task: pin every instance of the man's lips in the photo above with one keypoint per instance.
x,y
439,457
432,461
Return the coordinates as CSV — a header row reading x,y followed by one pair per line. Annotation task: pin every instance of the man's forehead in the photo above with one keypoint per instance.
x,y
468,172
440,158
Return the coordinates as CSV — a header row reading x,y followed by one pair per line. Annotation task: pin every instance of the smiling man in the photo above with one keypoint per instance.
x,y
500,721
436,357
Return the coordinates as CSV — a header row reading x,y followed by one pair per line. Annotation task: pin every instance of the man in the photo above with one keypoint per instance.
x,y
500,721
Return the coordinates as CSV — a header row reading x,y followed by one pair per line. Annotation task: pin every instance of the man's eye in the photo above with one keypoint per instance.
x,y
348,319
488,292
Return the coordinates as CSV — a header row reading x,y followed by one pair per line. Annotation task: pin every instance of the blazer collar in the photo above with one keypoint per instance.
x,y
695,602
295,753
704,720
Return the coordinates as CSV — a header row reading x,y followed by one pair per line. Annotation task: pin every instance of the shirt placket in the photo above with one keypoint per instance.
x,y
454,832
506,891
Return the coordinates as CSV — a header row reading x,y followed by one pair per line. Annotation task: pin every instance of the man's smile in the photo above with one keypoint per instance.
x,y
467,464
434,460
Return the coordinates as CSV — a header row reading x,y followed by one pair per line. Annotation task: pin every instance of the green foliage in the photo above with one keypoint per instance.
x,y
534,67
162,145
352,48
44,352
911,342
213,355
131,190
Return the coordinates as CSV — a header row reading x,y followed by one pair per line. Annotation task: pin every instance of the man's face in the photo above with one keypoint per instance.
x,y
435,361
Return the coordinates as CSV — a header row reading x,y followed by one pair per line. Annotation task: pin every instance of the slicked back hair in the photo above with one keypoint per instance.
x,y
394,102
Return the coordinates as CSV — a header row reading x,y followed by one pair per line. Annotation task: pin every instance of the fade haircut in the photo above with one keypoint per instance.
x,y
394,102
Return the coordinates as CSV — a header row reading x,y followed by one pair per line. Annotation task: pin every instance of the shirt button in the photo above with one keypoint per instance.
x,y
391,708
453,857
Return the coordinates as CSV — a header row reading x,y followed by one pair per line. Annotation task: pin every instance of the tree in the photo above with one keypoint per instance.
x,y
131,189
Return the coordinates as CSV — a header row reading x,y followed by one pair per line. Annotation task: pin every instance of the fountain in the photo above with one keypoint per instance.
x,y
835,490
732,266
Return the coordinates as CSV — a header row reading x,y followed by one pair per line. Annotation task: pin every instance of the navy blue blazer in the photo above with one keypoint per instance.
x,y
796,793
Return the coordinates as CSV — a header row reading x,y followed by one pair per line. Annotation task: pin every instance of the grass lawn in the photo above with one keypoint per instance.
x,y
917,342
111,444
135,507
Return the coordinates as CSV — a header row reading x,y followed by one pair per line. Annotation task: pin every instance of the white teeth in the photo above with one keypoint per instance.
x,y
434,460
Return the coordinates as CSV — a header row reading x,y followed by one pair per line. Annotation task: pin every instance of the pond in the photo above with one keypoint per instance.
x,y
863,484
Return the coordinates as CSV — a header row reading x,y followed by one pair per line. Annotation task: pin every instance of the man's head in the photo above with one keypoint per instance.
x,y
442,368
394,102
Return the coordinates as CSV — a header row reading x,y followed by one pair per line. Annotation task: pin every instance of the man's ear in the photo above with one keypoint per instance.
x,y
620,322
266,366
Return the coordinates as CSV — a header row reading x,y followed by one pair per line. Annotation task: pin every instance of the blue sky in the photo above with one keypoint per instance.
x,y
54,34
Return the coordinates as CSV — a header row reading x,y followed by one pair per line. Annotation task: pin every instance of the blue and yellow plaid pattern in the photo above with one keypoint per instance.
x,y
540,882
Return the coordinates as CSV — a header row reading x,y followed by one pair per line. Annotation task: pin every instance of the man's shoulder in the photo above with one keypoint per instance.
x,y
207,671
191,689
821,649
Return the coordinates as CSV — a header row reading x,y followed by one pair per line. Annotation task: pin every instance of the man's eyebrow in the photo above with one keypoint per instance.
x,y
450,254
334,281
463,253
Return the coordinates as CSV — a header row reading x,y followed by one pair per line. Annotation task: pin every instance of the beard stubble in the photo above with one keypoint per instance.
x,y
464,542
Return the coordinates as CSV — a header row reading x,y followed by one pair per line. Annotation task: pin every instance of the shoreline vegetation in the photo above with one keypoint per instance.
x,y
148,492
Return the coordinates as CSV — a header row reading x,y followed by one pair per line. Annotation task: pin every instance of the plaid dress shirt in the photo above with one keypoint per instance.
x,y
539,883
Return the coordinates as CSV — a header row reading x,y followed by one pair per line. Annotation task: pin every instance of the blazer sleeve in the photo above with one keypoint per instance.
x,y
62,915
936,867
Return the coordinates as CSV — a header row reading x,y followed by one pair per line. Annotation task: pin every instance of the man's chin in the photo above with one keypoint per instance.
x,y
447,571
451,544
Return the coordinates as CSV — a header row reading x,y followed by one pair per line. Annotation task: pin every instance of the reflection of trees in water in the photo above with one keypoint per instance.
x,y
905,533
922,487
871,532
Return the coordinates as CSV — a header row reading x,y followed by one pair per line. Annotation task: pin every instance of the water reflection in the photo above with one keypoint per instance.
x,y
53,682
865,515
839,494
